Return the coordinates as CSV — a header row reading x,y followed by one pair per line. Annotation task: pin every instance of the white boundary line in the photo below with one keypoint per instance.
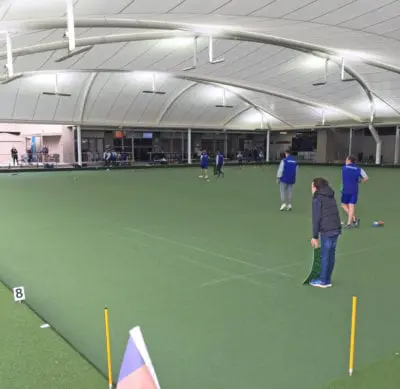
x,y
227,273
204,251
236,277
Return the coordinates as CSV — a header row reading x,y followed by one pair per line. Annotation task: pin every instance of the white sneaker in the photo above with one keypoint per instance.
x,y
289,207
206,177
201,177
283,207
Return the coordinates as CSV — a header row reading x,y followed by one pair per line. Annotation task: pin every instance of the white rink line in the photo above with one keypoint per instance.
x,y
208,252
275,269
228,274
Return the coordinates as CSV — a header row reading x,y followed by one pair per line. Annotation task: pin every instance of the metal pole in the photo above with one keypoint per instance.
x,y
133,147
267,145
183,146
378,141
189,146
79,144
396,146
10,66
70,25
350,141
226,145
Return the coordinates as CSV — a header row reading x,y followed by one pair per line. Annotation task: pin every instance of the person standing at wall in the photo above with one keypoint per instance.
x,y
352,175
286,178
14,155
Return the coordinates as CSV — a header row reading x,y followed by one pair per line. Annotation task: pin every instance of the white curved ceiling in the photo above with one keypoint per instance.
x,y
273,50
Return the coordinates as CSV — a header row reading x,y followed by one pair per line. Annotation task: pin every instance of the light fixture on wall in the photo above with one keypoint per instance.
x,y
224,105
56,92
9,66
73,53
211,58
153,90
194,56
325,80
343,73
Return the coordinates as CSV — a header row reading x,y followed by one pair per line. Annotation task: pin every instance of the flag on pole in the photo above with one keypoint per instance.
x,y
137,371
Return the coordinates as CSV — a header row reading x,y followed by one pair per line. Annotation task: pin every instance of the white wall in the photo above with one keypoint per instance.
x,y
58,138
280,143
333,145
367,145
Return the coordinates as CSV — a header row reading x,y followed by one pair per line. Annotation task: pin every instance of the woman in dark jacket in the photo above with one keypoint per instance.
x,y
326,227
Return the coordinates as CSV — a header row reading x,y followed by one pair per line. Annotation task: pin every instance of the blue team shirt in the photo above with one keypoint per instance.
x,y
288,170
204,160
220,159
351,175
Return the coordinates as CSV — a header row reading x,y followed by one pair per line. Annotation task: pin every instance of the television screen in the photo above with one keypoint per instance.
x,y
147,135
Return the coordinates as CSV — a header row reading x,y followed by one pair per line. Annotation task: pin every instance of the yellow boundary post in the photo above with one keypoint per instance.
x,y
108,348
353,335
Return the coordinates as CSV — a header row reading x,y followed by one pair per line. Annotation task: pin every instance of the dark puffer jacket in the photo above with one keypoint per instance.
x,y
325,213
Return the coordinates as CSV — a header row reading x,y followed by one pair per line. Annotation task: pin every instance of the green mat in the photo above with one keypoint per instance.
x,y
316,266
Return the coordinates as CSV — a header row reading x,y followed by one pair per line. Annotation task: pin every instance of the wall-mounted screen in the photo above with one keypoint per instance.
x,y
147,135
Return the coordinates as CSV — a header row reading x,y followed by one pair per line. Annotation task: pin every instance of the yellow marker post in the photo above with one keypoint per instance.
x,y
353,335
108,348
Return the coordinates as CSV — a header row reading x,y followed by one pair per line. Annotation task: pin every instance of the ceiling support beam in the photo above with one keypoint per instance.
x,y
236,115
224,33
260,108
10,64
392,122
70,26
351,72
88,88
266,91
220,81
240,35
386,102
171,103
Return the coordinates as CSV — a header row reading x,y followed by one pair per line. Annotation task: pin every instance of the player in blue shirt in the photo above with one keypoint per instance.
x,y
204,165
219,163
286,177
352,175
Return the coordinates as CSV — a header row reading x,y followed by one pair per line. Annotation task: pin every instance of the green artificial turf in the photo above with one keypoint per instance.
x,y
32,357
212,272
383,375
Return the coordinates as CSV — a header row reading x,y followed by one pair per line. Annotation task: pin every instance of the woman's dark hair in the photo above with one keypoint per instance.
x,y
320,182
351,158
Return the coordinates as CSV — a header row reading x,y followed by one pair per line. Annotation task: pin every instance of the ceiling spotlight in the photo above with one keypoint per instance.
x,y
224,104
56,92
324,82
153,90
343,74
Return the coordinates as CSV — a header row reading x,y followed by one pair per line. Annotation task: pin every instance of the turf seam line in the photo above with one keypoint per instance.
x,y
58,333
204,251
227,273
241,276
290,265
